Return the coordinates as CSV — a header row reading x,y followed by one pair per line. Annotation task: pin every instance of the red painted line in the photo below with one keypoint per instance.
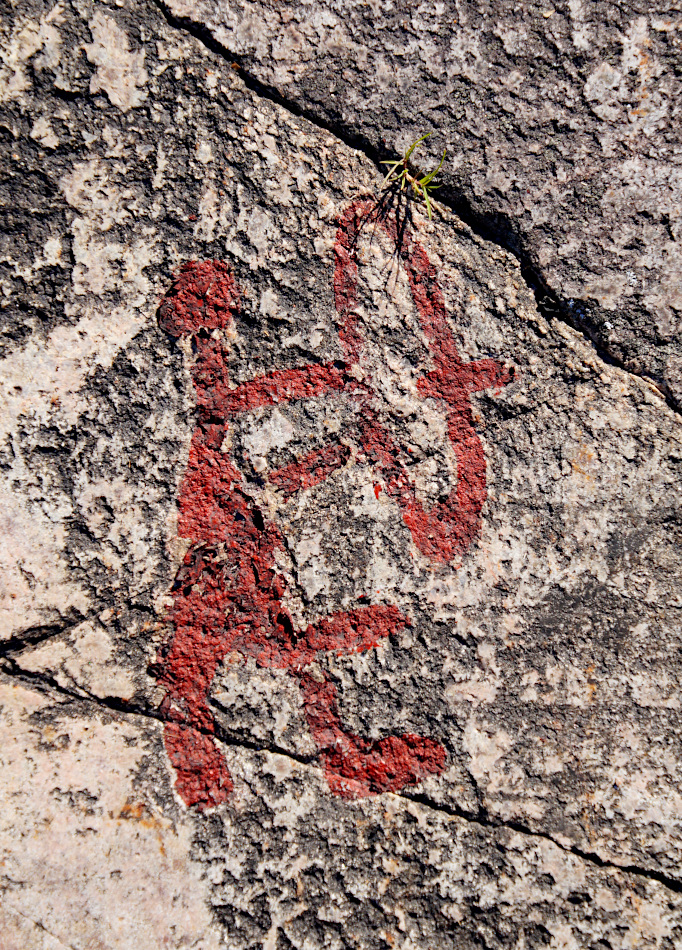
x,y
353,631
448,528
278,386
310,470
201,776
357,767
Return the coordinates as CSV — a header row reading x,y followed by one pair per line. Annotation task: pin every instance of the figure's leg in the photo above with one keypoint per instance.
x,y
200,638
357,767
227,596
223,597
186,671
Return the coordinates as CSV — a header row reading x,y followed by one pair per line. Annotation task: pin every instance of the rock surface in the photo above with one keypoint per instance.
x,y
561,122
340,584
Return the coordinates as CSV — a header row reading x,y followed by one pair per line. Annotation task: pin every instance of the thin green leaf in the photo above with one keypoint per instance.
x,y
392,175
415,144
431,175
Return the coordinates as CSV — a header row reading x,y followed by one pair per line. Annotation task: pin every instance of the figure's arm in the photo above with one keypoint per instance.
x,y
349,631
280,386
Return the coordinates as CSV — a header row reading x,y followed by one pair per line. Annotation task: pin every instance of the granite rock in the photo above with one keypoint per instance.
x,y
561,123
340,582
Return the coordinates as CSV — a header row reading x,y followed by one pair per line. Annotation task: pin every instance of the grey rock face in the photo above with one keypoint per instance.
x,y
340,585
561,123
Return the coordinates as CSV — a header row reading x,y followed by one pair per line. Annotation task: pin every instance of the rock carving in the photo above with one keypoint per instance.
x,y
228,595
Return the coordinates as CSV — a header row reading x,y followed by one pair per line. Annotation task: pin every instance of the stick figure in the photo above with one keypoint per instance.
x,y
227,595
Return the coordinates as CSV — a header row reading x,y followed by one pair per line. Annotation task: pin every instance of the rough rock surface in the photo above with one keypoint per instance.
x,y
561,120
340,585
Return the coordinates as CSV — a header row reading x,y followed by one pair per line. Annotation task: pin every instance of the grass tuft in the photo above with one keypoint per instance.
x,y
402,175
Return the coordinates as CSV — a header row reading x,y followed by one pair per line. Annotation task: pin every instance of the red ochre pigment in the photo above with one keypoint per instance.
x,y
227,596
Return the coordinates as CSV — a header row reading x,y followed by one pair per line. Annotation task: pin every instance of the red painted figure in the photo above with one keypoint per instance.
x,y
228,596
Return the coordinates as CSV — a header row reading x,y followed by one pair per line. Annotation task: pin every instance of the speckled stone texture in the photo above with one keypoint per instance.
x,y
561,120
340,583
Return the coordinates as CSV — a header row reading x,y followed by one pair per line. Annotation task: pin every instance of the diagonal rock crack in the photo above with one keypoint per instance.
x,y
481,817
41,927
33,636
490,229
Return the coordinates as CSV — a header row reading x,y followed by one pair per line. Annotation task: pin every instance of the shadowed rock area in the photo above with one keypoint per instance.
x,y
340,586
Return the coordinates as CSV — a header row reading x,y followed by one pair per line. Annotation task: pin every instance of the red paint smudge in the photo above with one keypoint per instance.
x,y
227,595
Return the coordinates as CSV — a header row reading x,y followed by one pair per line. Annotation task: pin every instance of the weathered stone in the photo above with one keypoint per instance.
x,y
561,123
340,586
95,853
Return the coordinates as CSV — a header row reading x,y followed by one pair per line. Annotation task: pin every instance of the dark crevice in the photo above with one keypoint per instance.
x,y
47,683
264,91
481,817
493,227
32,636
230,738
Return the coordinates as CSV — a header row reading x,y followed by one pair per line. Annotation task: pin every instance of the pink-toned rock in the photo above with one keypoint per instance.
x,y
340,585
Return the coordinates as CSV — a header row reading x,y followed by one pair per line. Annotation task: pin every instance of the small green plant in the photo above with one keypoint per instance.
x,y
399,173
